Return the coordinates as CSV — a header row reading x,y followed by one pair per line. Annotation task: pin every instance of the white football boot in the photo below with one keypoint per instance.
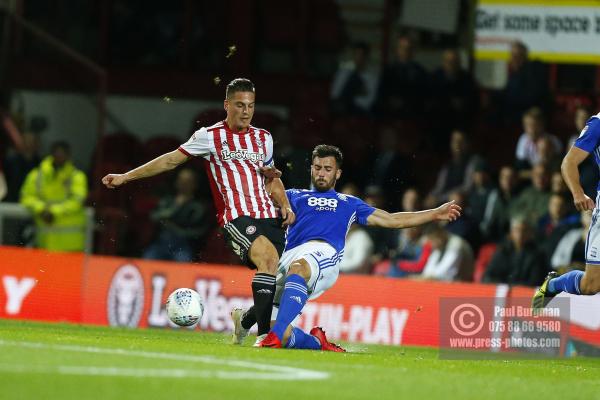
x,y
239,333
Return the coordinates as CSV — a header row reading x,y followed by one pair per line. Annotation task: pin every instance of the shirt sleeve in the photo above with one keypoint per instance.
x,y
199,144
363,210
521,151
589,138
269,162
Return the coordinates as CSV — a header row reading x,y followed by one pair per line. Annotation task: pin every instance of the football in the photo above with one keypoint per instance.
x,y
184,307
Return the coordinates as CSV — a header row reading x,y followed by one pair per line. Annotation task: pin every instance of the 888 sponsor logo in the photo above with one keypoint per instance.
x,y
322,203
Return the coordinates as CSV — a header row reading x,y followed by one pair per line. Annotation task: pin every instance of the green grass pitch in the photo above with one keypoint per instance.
x,y
59,361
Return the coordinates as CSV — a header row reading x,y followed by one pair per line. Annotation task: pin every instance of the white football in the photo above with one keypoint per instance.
x,y
185,307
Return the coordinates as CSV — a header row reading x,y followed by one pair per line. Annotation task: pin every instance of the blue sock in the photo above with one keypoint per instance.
x,y
292,301
569,282
302,340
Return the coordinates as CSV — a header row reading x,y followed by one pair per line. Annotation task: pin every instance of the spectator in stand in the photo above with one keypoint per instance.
x,y
293,161
527,84
54,193
548,155
409,249
456,98
500,206
9,132
383,239
410,254
518,260
182,220
451,258
589,175
354,86
482,187
19,163
411,200
558,221
569,252
403,84
390,170
559,186
468,228
532,203
457,173
3,186
527,153
359,245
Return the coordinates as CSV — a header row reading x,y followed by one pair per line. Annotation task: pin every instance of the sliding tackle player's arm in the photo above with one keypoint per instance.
x,y
445,212
160,164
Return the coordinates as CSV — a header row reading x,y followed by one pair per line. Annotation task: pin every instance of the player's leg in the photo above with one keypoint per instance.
x,y
258,243
575,282
294,296
315,272
264,255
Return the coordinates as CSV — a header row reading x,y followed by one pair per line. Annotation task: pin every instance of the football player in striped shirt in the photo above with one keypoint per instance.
x,y
238,158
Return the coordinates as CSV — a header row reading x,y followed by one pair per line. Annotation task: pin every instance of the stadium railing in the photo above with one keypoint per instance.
x,y
18,212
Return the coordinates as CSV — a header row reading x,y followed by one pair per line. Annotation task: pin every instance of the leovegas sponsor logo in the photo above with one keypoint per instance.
x,y
241,155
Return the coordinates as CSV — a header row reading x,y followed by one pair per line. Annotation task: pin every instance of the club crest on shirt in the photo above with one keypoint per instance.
x,y
259,142
250,230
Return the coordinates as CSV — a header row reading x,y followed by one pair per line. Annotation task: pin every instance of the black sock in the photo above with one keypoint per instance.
x,y
249,318
263,291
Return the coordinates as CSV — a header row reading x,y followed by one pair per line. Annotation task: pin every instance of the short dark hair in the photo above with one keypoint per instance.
x,y
60,145
326,150
239,85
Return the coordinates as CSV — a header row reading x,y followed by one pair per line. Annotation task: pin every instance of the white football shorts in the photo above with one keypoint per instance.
x,y
324,263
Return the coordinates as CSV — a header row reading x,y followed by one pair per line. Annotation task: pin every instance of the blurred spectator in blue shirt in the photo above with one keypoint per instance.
x,y
18,164
354,86
403,85
182,221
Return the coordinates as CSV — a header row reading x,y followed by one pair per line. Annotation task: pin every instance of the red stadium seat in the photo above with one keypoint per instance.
x,y
486,252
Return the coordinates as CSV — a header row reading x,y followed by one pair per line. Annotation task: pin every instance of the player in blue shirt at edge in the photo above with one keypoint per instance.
x,y
578,282
315,246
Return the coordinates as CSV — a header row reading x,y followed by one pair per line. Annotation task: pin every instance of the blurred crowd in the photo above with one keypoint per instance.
x,y
412,139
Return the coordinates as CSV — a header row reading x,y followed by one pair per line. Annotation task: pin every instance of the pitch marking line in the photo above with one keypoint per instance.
x,y
252,370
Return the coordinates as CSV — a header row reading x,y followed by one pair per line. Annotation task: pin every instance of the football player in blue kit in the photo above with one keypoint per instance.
x,y
315,247
578,282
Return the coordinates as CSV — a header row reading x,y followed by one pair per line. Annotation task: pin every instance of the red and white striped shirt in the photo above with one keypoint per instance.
x,y
232,161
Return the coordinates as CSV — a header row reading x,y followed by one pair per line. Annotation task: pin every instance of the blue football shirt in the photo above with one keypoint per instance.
x,y
324,216
589,139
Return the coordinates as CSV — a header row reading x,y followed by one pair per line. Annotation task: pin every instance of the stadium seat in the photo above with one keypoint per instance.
x,y
486,252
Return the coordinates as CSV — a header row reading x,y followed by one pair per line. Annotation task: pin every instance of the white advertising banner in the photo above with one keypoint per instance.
x,y
560,31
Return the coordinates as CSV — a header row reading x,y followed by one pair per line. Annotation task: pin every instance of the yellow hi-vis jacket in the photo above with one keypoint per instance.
x,y
62,192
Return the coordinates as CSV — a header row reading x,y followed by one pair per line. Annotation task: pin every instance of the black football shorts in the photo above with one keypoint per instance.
x,y
242,231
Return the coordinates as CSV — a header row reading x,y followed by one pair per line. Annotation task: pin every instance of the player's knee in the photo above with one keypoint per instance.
x,y
300,268
590,284
264,255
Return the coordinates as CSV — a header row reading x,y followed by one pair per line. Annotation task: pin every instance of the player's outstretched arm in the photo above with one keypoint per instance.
x,y
277,193
570,172
446,212
160,164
